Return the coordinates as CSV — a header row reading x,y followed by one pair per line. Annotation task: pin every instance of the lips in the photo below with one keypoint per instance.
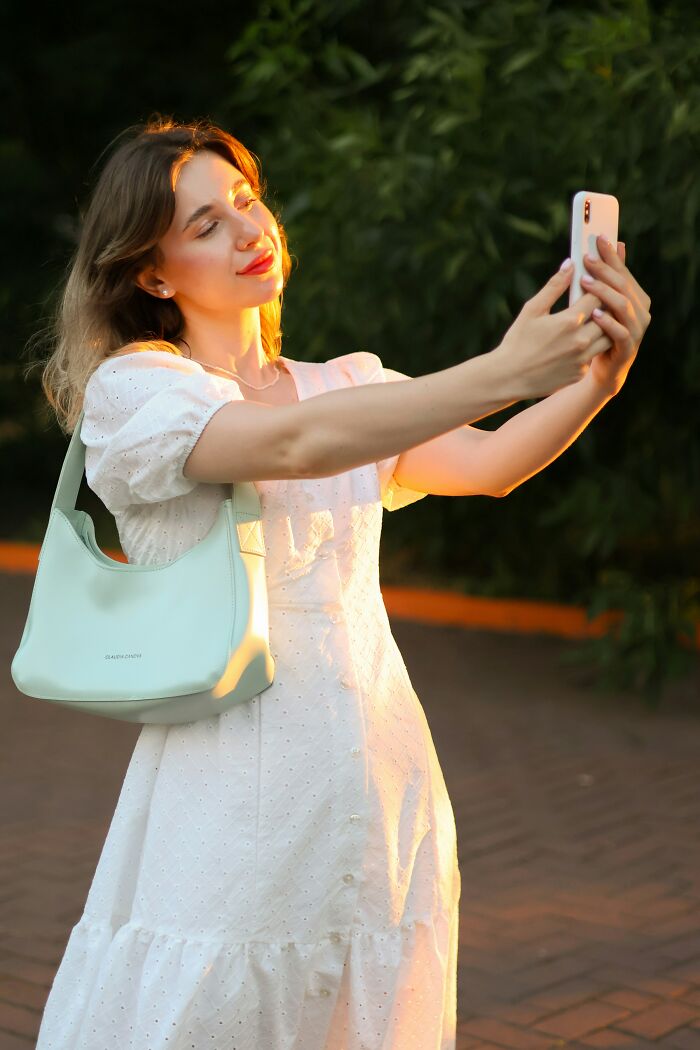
x,y
261,262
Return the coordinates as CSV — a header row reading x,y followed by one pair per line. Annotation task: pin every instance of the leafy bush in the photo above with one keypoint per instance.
x,y
426,159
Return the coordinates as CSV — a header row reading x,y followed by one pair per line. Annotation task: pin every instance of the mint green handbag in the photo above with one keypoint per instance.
x,y
147,643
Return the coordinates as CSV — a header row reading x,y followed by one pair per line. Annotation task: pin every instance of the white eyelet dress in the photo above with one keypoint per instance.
x,y
282,876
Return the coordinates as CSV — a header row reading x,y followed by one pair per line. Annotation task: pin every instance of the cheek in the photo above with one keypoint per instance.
x,y
269,224
206,262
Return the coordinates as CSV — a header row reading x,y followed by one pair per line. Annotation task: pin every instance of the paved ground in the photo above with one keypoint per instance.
x,y
578,820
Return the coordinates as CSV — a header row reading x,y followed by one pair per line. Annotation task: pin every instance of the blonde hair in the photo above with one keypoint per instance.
x,y
100,309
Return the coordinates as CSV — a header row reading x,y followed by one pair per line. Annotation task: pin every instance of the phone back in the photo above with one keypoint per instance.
x,y
592,214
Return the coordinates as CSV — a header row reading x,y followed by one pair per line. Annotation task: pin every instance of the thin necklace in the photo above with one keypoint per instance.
x,y
239,379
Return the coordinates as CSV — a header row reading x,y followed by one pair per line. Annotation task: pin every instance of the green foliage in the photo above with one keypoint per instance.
x,y
654,640
426,188
424,157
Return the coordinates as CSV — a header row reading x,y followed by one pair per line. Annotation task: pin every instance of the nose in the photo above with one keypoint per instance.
x,y
255,236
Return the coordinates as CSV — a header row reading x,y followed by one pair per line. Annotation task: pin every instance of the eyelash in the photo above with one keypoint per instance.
x,y
205,233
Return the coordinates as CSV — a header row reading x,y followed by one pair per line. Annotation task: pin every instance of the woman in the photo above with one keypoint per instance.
x,y
282,876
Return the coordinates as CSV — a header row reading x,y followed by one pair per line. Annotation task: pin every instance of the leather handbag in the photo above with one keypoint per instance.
x,y
146,643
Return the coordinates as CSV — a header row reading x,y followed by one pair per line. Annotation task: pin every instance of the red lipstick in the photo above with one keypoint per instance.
x,y
261,264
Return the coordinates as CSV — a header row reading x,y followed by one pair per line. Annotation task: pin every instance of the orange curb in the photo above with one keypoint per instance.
x,y
426,605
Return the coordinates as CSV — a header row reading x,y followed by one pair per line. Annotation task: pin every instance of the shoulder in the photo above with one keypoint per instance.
x,y
144,356
135,388
137,366
360,366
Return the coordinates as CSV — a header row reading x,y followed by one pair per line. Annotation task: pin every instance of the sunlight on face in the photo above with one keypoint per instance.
x,y
203,256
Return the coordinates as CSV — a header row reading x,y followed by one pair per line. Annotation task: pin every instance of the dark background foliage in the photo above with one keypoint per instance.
x,y
423,157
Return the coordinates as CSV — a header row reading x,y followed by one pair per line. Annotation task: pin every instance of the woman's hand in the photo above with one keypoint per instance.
x,y
628,317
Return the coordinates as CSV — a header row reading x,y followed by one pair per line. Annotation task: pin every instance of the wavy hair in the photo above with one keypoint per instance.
x,y
99,307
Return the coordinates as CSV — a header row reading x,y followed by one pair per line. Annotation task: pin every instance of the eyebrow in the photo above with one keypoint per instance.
x,y
204,208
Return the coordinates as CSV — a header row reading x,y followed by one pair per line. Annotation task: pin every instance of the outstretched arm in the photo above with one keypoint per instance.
x,y
469,461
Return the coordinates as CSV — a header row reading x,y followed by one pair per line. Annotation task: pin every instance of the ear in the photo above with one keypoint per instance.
x,y
149,282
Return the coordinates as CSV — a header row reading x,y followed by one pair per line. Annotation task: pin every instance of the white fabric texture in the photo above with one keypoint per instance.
x,y
282,876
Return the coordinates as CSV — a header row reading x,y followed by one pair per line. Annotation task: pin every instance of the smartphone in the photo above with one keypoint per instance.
x,y
592,214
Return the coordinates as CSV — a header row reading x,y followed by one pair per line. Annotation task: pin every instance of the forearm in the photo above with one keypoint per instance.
x,y
346,428
532,439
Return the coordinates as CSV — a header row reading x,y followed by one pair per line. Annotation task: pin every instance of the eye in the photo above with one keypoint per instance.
x,y
205,233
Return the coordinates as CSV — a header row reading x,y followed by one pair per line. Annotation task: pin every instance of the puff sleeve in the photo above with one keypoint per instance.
x,y
365,367
143,414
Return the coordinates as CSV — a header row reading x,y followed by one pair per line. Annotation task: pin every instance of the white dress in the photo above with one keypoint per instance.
x,y
282,876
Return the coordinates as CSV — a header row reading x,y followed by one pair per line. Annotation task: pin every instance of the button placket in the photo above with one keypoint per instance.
x,y
354,710
355,819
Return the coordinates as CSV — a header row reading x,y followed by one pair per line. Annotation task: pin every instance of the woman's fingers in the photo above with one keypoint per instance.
x,y
614,285
599,339
618,303
620,334
611,269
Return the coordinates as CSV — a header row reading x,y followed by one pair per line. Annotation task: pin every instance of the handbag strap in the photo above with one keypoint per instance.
x,y
244,495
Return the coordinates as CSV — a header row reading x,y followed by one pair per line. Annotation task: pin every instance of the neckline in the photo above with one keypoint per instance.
x,y
289,365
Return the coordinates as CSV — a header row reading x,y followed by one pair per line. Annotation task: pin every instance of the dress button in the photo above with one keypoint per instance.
x,y
335,617
348,878
354,817
346,682
323,991
336,937
354,751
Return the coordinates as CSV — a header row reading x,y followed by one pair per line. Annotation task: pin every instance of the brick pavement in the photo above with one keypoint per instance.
x,y
578,820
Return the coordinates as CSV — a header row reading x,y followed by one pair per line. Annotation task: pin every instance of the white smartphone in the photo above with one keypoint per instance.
x,y
592,214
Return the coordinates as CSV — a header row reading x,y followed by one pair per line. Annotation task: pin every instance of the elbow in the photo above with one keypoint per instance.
x,y
314,451
302,459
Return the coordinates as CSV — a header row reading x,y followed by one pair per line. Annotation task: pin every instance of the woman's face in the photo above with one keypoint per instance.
x,y
203,255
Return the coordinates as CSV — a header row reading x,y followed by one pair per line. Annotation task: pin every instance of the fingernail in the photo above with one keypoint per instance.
x,y
566,265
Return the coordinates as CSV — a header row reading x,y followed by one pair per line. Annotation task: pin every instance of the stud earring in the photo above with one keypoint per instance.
x,y
164,291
